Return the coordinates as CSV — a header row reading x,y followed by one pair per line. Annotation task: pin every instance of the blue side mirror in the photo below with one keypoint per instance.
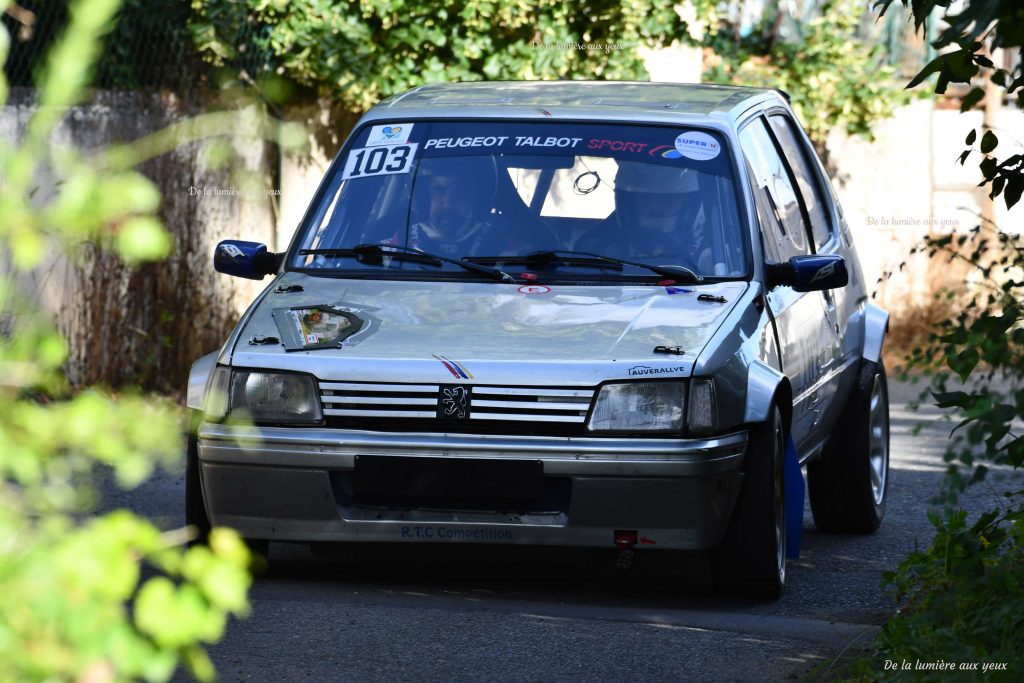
x,y
245,259
809,273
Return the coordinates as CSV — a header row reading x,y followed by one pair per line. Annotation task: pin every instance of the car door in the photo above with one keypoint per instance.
x,y
806,335
819,220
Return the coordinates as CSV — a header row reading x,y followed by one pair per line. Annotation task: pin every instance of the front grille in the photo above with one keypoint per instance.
x,y
484,409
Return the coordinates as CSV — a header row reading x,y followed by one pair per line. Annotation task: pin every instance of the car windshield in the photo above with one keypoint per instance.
x,y
497,192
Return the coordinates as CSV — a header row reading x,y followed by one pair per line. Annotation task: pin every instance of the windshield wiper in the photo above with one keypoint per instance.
x,y
596,260
373,254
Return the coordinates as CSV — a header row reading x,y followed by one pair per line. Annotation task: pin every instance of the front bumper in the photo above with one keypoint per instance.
x,y
291,484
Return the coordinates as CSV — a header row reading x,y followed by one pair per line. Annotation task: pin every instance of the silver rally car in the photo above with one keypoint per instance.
x,y
584,314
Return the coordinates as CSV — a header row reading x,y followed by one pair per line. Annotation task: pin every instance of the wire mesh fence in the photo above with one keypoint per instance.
x,y
150,46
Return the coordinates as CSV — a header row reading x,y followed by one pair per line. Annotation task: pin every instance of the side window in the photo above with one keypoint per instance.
x,y
773,190
771,231
806,180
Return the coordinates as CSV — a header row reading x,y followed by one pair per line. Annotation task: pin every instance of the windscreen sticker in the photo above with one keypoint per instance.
x,y
665,152
394,134
315,327
373,161
519,141
540,141
617,145
699,146
478,141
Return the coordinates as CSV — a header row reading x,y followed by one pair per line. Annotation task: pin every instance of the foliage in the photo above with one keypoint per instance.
x,y
963,595
361,52
835,80
86,597
963,602
982,343
971,32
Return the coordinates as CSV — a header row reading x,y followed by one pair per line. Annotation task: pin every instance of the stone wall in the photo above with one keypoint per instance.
x,y
148,323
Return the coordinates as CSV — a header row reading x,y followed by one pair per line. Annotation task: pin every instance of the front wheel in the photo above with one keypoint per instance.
x,y
848,484
195,509
752,558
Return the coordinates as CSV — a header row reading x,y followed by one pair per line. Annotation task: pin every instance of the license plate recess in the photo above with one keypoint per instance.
x,y
448,478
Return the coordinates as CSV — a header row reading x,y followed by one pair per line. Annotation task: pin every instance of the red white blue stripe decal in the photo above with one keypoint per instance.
x,y
455,368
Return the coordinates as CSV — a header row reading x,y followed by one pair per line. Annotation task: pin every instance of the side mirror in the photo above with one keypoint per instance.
x,y
808,273
245,259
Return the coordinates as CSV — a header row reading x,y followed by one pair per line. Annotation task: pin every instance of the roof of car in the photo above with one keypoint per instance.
x,y
574,99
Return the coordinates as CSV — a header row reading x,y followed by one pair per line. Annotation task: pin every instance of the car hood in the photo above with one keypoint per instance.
x,y
434,331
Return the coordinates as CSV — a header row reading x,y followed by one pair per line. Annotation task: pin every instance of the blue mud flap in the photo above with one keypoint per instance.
x,y
794,500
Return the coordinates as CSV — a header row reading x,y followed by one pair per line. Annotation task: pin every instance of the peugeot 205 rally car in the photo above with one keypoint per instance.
x,y
555,313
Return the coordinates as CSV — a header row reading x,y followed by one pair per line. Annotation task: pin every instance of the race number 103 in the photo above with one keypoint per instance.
x,y
371,161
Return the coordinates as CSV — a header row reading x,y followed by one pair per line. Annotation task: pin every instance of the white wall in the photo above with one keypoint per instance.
x,y
907,182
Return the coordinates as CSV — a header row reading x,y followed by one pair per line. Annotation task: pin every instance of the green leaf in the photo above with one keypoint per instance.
x,y
989,167
27,248
964,362
1014,189
971,99
950,399
997,187
989,141
933,66
143,238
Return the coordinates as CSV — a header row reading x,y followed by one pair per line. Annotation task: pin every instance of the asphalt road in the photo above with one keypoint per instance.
x,y
457,614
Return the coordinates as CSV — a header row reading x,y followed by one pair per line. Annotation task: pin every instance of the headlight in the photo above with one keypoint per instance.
x,y
703,415
262,396
275,397
639,406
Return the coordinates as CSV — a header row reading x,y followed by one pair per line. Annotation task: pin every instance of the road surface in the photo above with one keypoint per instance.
x,y
453,613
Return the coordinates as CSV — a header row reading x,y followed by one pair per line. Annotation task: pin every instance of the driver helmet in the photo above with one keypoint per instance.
x,y
652,196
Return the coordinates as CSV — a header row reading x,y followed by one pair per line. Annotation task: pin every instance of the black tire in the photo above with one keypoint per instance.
x,y
752,558
195,508
848,485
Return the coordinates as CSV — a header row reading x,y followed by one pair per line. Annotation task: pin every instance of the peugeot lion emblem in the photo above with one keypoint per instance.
x,y
453,402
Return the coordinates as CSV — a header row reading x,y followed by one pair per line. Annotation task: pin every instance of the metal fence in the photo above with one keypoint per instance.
x,y
149,47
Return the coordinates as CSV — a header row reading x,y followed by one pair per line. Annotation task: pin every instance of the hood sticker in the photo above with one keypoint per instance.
x,y
643,370
315,327
678,290
457,369
393,134
534,289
